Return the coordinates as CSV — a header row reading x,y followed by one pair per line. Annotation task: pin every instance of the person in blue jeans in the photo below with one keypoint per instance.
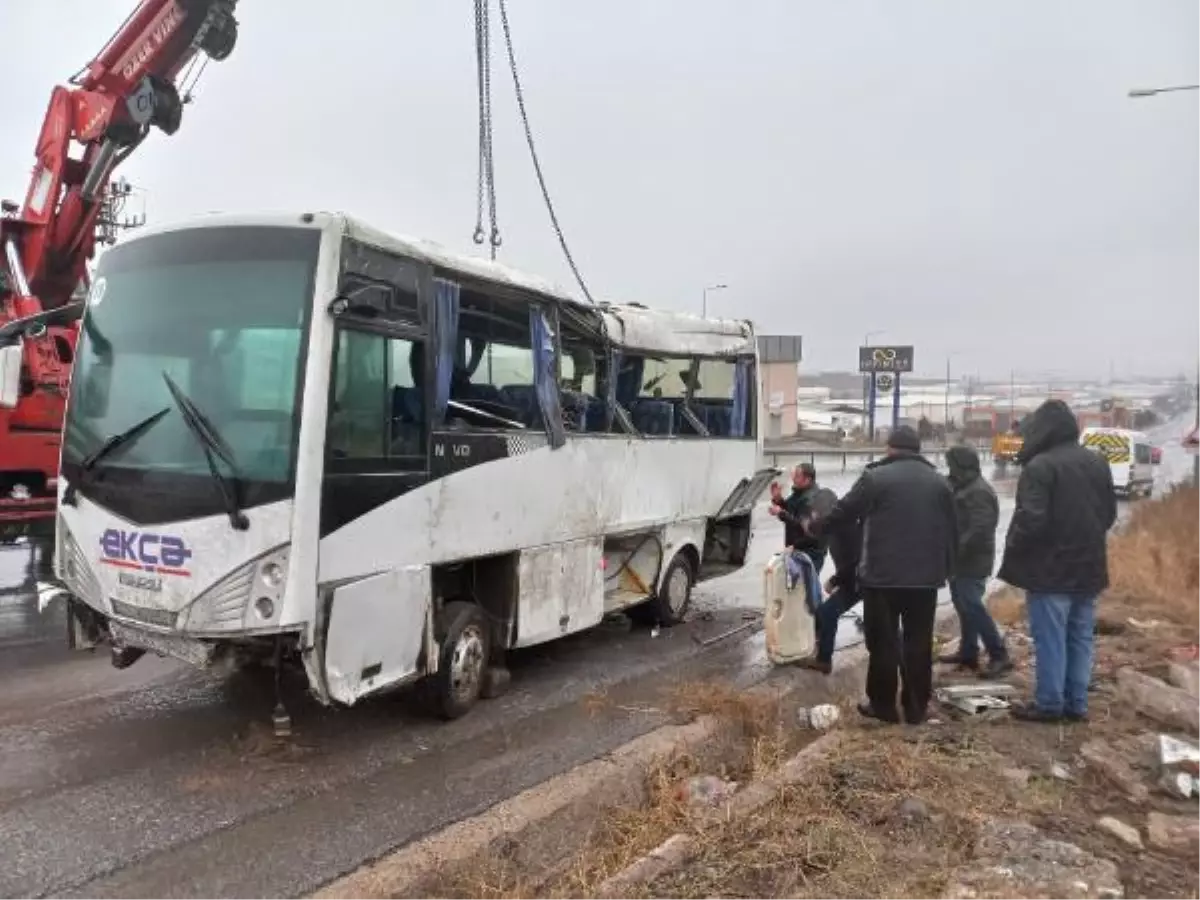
x,y
841,593
978,513
1056,551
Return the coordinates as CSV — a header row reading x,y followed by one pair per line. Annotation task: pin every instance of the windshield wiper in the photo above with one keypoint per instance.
x,y
112,443
212,443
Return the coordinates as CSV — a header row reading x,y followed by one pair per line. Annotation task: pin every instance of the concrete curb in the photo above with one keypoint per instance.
x,y
679,848
532,827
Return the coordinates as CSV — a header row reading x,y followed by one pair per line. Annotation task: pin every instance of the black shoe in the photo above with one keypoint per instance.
x,y
1075,718
811,662
996,668
1029,712
870,712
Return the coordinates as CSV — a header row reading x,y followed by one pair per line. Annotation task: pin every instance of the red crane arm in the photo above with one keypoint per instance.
x,y
109,109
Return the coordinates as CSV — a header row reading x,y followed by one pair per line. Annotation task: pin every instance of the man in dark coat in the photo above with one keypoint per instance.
x,y
909,542
796,510
1057,552
978,514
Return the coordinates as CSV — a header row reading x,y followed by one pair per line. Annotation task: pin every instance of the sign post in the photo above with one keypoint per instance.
x,y
885,366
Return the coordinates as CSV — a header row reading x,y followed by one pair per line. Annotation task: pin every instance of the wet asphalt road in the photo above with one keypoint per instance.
x,y
163,781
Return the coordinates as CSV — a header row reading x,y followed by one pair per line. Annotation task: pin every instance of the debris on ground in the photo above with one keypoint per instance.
x,y
1158,700
705,790
1174,754
976,699
819,718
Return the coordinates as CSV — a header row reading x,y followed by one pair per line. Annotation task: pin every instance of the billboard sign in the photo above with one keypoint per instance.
x,y
885,359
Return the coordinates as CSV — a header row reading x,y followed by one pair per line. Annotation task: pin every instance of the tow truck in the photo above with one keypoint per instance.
x,y
131,87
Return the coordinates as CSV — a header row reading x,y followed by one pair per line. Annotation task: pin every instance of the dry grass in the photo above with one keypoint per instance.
x,y
1154,562
753,740
840,834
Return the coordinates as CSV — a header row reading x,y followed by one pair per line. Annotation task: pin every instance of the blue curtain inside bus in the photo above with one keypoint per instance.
x,y
742,380
445,342
545,382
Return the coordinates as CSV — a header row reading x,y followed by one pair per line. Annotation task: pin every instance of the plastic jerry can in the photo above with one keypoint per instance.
x,y
790,631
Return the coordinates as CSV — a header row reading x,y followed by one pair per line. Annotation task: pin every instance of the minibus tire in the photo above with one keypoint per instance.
x,y
450,694
658,610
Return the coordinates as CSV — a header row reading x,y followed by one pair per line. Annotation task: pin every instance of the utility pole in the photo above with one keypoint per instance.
x,y
111,218
946,406
1012,397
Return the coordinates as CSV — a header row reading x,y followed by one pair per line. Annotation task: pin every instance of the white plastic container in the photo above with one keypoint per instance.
x,y
790,630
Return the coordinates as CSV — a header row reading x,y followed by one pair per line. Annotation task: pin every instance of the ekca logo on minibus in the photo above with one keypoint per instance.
x,y
164,554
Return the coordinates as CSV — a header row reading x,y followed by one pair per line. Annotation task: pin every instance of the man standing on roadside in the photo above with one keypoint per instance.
x,y
978,514
909,541
796,510
841,590
1057,552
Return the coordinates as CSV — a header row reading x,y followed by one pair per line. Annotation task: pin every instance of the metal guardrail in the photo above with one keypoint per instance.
x,y
846,459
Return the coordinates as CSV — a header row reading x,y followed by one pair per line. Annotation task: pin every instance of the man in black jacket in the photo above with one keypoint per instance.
x,y
978,514
1057,552
796,510
909,542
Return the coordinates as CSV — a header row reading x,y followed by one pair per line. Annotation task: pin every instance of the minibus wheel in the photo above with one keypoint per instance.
x,y
464,649
670,604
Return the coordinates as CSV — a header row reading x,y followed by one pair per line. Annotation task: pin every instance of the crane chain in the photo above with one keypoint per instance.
x,y
485,185
537,166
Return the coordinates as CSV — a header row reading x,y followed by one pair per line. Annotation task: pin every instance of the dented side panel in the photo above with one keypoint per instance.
x,y
561,590
377,632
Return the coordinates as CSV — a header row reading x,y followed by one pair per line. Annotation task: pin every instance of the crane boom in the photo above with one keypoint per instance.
x,y
108,109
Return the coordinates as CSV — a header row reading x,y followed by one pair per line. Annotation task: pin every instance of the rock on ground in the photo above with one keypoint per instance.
x,y
1015,859
1121,831
1177,834
1185,677
1101,756
1158,700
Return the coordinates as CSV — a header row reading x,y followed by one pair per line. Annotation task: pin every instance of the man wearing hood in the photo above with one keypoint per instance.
x,y
1056,551
908,547
978,513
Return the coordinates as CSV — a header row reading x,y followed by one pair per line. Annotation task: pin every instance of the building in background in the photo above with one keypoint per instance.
x,y
779,359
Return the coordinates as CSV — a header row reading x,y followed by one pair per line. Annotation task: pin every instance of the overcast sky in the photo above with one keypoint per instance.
x,y
969,178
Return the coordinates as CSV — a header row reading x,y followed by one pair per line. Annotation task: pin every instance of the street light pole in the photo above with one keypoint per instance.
x,y
1138,93
946,407
704,302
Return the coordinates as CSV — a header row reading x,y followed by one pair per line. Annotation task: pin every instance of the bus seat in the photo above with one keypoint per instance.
x,y
597,412
523,398
488,393
575,409
656,417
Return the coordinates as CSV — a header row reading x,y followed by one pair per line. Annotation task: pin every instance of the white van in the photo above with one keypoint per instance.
x,y
1129,455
